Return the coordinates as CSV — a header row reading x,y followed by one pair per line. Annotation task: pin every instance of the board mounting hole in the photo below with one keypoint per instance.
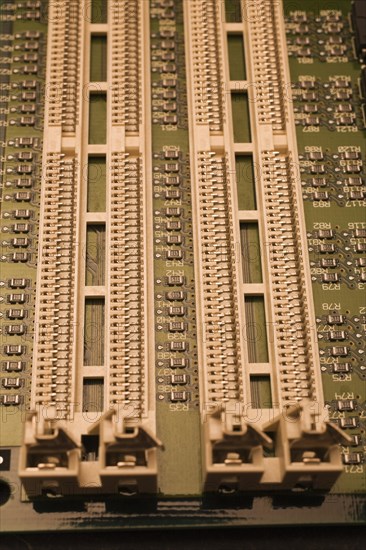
x,y
5,492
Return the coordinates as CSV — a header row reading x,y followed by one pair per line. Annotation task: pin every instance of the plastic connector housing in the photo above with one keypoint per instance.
x,y
234,458
308,448
49,458
305,449
52,458
127,456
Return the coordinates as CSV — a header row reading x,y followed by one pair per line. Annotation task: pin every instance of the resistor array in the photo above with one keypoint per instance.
x,y
64,68
207,65
290,302
222,355
54,331
126,48
127,279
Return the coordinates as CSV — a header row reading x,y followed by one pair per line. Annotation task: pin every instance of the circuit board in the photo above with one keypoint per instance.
x,y
183,263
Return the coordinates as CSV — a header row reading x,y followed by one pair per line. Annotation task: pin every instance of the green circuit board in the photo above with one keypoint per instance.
x,y
325,154
327,96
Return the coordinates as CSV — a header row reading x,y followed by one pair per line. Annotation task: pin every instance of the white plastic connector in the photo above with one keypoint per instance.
x,y
308,448
127,456
49,457
233,453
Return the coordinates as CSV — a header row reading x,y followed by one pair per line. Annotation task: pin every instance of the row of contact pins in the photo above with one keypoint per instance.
x,y
127,275
207,65
126,64
267,63
288,286
55,296
221,340
64,67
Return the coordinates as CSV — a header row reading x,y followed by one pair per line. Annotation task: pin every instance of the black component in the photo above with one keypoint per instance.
x,y
330,278
25,156
14,366
309,96
344,108
315,155
352,167
311,108
167,33
24,169
326,248
173,212
176,311
363,83
177,396
24,182
337,335
317,169
14,349
22,214
352,458
26,141
353,180
15,330
171,154
175,280
312,121
178,363
5,455
175,295
177,326
349,422
21,196
175,254
325,233
21,228
319,182
17,298
18,283
359,26
351,155
177,345
12,383
328,262
346,405
29,84
335,319
320,196
20,257
346,120
174,239
356,440
178,379
341,368
172,194
169,94
356,195
339,351
343,95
